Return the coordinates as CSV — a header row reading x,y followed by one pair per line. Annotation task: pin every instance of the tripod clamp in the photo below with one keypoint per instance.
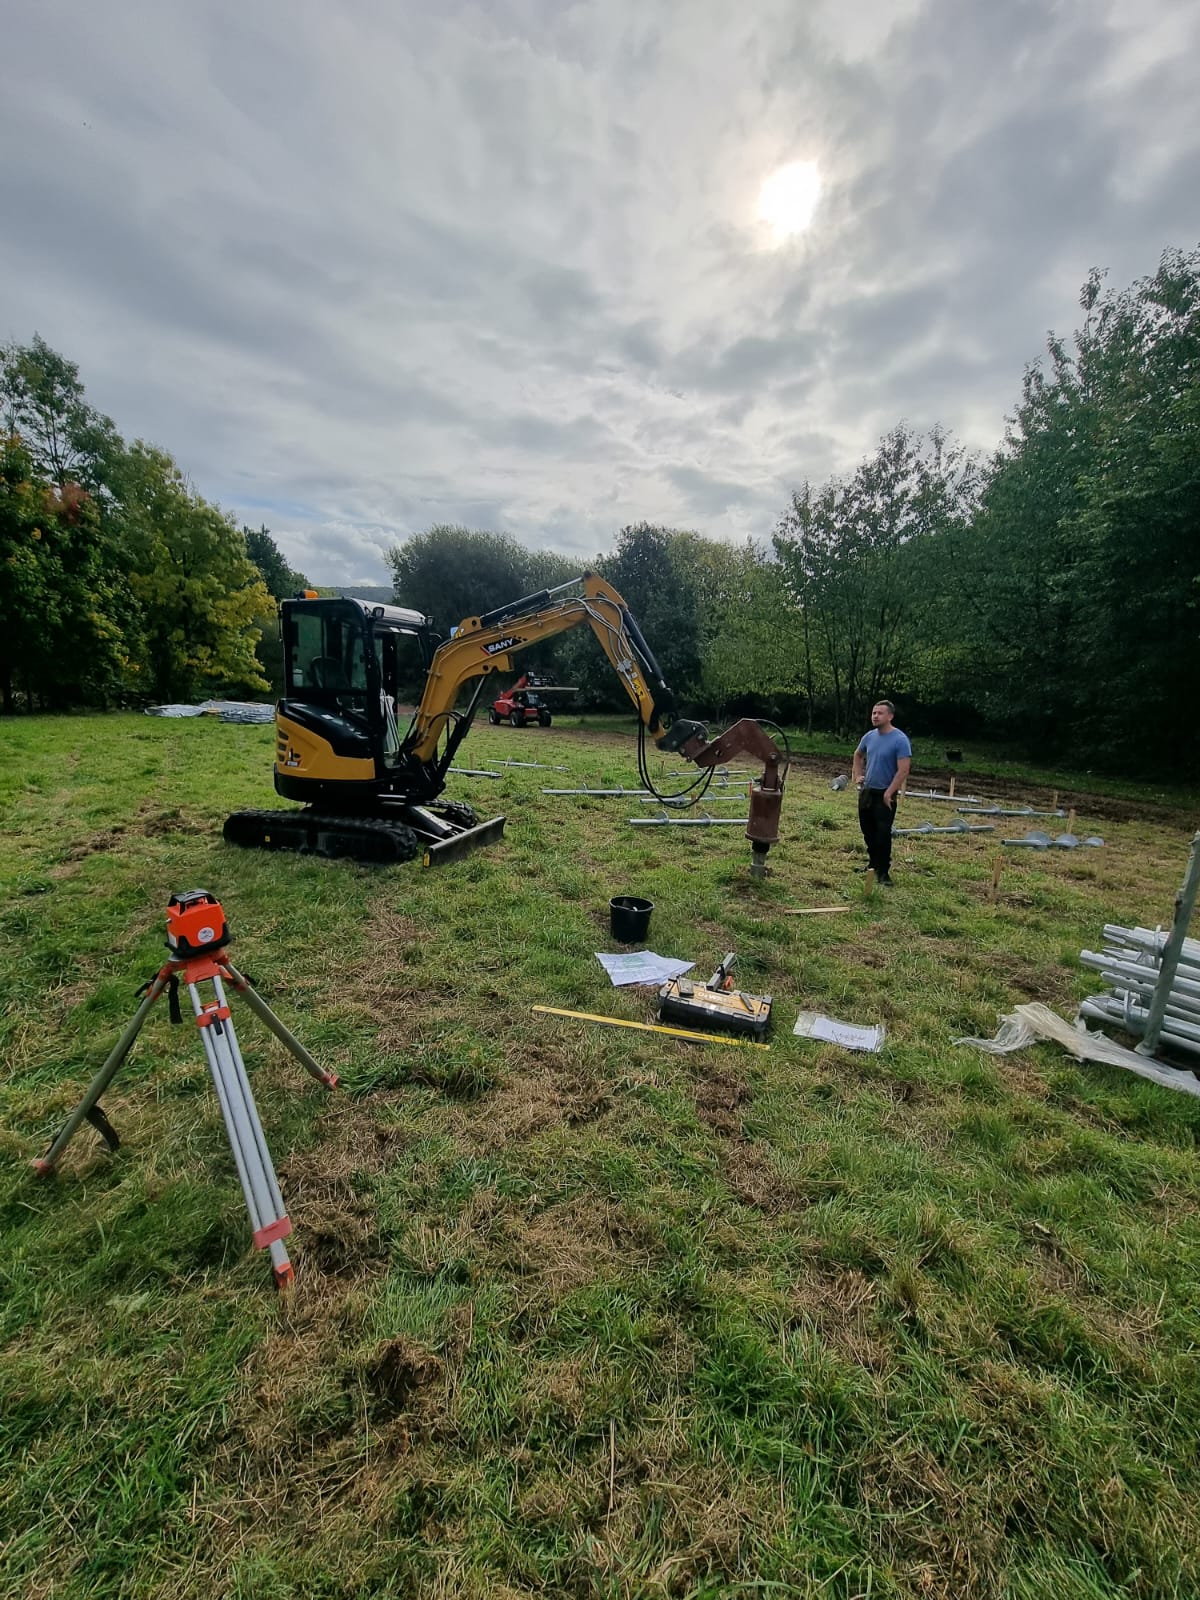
x,y
197,934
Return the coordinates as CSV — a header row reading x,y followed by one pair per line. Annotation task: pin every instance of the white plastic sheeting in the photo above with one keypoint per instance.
x,y
1033,1023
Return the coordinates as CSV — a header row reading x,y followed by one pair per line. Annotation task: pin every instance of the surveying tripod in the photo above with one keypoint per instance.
x,y
197,934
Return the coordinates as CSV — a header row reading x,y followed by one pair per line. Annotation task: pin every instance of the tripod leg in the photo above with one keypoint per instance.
x,y
269,1221
86,1110
261,1009
247,1112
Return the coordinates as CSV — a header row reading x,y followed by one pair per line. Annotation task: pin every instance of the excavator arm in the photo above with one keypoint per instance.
x,y
481,646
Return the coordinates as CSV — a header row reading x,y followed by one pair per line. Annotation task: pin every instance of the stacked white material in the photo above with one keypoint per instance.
x,y
1130,962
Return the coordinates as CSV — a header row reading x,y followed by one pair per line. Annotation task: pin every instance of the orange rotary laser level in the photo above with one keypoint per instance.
x,y
195,924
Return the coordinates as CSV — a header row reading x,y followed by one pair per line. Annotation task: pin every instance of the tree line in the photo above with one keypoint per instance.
x,y
119,584
1050,595
1047,596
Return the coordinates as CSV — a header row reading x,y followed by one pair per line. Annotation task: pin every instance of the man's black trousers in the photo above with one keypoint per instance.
x,y
875,817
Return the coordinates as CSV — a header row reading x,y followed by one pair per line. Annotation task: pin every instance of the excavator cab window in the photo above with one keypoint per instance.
x,y
327,663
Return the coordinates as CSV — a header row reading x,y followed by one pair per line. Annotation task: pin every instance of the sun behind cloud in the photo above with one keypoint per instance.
x,y
789,197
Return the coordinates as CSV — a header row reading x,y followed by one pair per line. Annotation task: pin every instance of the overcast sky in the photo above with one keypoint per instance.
x,y
366,267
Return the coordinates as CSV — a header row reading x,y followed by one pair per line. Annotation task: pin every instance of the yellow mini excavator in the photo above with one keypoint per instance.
x,y
371,792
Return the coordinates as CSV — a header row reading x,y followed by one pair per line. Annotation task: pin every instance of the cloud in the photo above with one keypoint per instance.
x,y
366,269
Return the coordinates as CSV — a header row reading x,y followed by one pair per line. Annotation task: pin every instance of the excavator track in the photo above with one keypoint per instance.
x,y
372,840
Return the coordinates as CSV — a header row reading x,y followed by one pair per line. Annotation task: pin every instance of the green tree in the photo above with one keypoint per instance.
x,y
652,568
1070,603
851,552
281,580
451,572
1137,650
42,400
61,600
200,593
751,644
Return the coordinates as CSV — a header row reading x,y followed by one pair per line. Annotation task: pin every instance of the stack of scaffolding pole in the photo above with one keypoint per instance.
x,y
1155,975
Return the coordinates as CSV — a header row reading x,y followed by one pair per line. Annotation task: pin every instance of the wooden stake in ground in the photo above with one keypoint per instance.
x,y
1071,820
996,865
868,883
1054,801
952,786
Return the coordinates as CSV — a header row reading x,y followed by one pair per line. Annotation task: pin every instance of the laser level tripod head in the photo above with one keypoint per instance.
x,y
195,924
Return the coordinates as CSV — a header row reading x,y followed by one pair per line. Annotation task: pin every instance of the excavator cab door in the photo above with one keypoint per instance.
x,y
401,664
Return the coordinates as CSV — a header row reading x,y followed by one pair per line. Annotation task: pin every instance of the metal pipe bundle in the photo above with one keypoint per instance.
x,y
1106,1008
1142,978
1152,941
1155,976
704,821
927,828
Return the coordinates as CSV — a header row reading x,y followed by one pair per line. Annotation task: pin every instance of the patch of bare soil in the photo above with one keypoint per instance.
x,y
68,995
1022,1077
401,1377
331,1207
1024,980
718,1097
840,1305
152,821
748,1170
311,1413
902,1091
94,844
755,1181
566,1246
149,822
545,1086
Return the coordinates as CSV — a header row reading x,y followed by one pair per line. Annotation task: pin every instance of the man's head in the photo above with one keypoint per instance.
x,y
883,713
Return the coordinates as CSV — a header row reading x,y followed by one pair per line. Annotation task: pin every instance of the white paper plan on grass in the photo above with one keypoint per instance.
x,y
812,1025
642,966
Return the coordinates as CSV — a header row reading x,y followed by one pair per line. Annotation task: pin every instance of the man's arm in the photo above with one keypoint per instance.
x,y
860,765
903,763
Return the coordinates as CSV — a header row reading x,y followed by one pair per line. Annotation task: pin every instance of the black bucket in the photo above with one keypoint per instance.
x,y
630,918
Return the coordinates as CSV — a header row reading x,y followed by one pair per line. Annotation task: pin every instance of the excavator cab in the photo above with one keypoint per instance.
x,y
345,666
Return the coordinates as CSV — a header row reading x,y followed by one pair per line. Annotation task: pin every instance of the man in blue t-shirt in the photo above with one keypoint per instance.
x,y
881,765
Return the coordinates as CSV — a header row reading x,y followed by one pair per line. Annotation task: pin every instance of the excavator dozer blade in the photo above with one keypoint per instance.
x,y
436,855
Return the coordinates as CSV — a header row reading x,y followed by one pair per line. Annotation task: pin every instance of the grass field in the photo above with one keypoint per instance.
x,y
580,1311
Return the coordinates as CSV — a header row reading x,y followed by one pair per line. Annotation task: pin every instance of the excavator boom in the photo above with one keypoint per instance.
x,y
483,645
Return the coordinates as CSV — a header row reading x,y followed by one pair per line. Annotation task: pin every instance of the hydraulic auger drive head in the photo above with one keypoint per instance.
x,y
746,737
